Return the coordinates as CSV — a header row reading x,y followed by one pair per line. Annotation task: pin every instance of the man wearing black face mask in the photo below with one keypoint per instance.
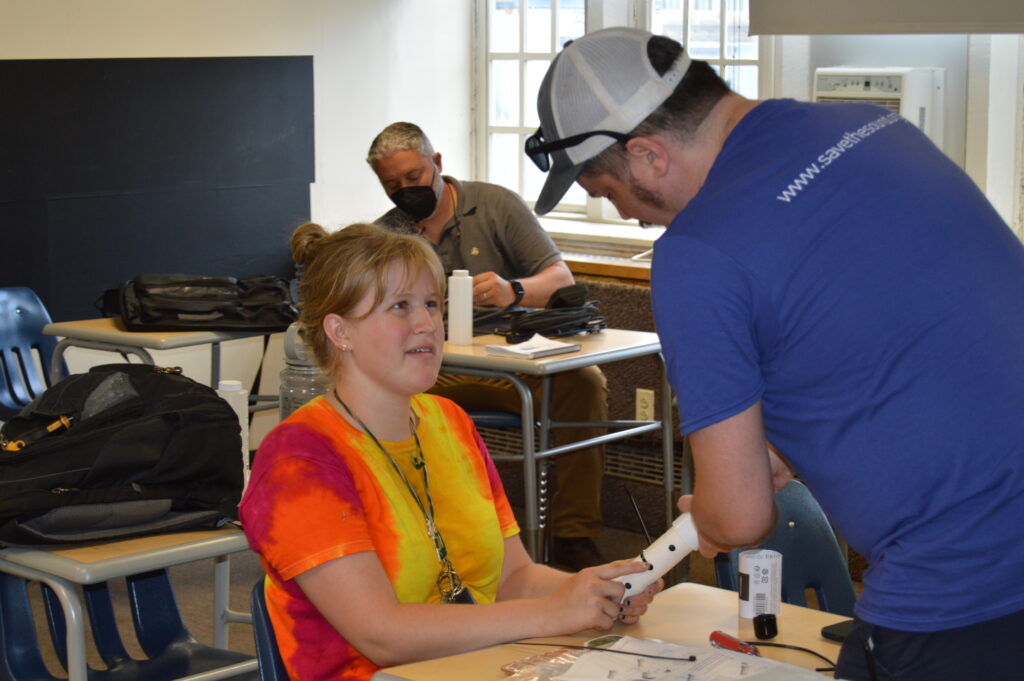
x,y
488,230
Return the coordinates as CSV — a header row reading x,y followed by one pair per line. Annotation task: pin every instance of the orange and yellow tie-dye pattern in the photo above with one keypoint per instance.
x,y
321,489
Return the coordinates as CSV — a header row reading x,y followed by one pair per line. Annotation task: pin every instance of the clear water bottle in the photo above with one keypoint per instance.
x,y
301,378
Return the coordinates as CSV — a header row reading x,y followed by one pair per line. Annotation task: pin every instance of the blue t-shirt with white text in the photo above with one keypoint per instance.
x,y
841,269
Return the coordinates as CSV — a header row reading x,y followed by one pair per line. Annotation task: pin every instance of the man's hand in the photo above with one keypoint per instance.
x,y
491,289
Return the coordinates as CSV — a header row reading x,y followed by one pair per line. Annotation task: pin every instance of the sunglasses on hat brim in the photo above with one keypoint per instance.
x,y
539,151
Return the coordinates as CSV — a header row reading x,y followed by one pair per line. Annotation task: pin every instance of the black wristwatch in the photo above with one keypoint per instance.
x,y
517,289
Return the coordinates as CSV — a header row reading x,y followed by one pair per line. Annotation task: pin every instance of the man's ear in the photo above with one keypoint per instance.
x,y
436,158
649,157
336,329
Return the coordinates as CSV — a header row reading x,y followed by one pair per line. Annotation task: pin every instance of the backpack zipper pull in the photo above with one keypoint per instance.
x,y
62,422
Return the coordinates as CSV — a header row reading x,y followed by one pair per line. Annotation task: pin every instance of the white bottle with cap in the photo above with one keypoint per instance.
x,y
236,396
460,308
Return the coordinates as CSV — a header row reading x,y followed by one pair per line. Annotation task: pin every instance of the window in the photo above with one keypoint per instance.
x,y
519,40
523,37
714,31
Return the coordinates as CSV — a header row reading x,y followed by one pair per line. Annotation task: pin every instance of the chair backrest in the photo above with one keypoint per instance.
x,y
811,558
271,665
495,419
22,318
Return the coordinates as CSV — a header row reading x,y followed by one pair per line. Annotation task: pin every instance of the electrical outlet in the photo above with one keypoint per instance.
x,y
644,404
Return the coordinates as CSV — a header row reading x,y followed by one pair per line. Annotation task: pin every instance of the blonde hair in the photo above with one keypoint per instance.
x,y
340,268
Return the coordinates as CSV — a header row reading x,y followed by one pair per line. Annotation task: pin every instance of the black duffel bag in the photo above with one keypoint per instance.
x,y
119,451
179,302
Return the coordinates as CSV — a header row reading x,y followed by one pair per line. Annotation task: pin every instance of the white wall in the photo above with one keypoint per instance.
x,y
374,62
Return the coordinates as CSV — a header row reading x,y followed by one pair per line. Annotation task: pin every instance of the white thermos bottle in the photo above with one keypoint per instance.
x,y
234,394
460,308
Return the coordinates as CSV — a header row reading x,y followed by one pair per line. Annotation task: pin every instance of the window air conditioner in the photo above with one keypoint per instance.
x,y
916,93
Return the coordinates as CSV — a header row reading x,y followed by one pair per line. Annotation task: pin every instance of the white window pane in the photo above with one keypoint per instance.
x,y
742,79
667,19
702,43
738,45
572,20
503,99
535,70
538,25
503,160
503,28
576,196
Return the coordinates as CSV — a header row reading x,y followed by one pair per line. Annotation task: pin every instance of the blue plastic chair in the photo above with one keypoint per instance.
x,y
22,318
172,652
811,558
271,665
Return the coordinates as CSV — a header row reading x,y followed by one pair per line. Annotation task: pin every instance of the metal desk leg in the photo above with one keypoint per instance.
x,y
530,495
74,621
544,444
221,591
668,445
223,615
214,364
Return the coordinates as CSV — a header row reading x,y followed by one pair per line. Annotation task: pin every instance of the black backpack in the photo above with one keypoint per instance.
x,y
179,302
122,450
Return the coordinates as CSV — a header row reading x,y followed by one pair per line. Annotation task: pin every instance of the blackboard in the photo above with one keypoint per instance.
x,y
115,167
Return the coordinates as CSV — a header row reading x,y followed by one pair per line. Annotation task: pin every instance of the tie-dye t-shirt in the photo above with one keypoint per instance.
x,y
321,489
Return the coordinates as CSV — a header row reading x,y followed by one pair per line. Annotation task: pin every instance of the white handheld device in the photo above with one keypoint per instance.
x,y
667,550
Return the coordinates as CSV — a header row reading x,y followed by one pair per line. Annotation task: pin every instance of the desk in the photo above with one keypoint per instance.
x,y
108,333
685,614
62,569
610,345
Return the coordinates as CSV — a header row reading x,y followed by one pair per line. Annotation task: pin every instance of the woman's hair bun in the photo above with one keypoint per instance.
x,y
304,240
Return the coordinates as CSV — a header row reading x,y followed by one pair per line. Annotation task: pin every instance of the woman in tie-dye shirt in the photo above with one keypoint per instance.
x,y
345,494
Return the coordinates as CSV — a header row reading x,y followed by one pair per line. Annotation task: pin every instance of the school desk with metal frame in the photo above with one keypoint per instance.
x,y
63,568
109,334
685,614
609,345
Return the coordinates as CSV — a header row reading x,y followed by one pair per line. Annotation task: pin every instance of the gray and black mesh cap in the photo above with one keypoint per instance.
x,y
602,81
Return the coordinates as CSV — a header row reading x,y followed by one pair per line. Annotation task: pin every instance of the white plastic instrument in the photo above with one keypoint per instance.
x,y
666,551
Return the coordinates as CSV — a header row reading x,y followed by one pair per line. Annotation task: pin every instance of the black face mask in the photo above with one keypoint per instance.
x,y
418,202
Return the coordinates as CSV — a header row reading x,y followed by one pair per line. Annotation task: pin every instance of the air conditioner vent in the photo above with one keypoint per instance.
x,y
890,104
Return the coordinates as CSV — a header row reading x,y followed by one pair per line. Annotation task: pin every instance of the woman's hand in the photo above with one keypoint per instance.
x,y
591,599
636,605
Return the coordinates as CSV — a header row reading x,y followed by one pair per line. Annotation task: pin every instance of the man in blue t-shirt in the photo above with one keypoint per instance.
x,y
830,283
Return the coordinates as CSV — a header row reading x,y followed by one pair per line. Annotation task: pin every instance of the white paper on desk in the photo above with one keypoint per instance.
x,y
713,664
532,348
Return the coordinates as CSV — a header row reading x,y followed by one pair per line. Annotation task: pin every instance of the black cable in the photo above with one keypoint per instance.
x,y
691,658
554,322
789,647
